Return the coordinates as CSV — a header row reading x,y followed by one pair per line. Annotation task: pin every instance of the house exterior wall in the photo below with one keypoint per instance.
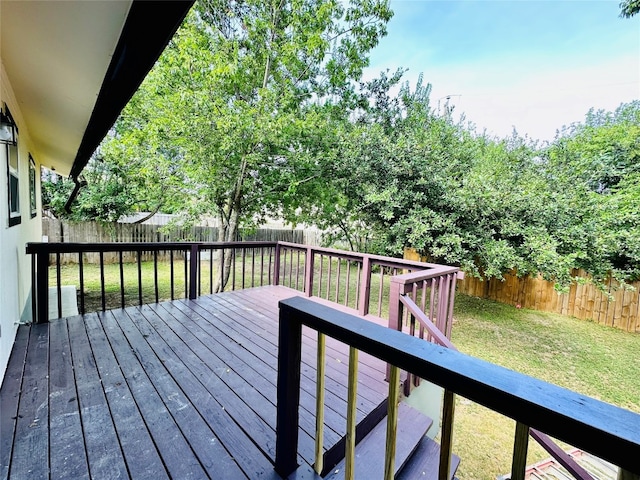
x,y
15,265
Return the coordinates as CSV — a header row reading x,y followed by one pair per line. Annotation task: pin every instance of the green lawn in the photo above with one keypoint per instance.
x,y
580,355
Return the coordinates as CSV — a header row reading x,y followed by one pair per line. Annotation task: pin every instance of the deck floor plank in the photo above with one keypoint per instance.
x,y
103,447
212,455
182,389
140,454
10,398
175,451
262,338
373,371
33,412
249,368
262,361
266,300
224,410
69,459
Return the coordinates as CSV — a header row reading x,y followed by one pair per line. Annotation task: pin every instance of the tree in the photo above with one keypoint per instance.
x,y
628,8
249,95
593,167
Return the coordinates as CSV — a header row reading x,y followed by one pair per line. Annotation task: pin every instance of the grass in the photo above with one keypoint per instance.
x,y
580,355
576,354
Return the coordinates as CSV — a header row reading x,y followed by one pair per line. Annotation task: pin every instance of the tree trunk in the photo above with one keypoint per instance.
x,y
228,230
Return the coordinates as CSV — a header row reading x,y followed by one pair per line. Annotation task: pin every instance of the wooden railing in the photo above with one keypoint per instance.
x,y
363,282
368,283
604,430
191,271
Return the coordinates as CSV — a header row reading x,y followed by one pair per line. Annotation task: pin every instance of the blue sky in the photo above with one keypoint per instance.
x,y
530,64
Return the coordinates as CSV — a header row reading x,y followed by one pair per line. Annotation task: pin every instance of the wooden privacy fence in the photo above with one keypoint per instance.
x,y
58,231
615,306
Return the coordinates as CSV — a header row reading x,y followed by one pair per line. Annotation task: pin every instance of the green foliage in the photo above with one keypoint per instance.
x,y
416,178
628,8
247,95
255,110
109,193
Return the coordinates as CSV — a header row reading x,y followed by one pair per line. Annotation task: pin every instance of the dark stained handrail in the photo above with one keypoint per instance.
x,y
575,469
604,430
42,251
283,267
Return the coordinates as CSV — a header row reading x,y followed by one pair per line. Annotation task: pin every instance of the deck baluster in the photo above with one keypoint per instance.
x,y
59,286
244,262
102,289
81,274
352,397
121,269
392,423
171,274
194,258
380,291
347,284
446,436
155,274
308,272
211,271
320,382
337,299
520,447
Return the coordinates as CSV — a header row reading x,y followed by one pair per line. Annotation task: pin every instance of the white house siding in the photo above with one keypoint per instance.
x,y
15,265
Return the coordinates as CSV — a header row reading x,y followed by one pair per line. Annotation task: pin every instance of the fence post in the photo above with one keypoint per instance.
x,y
308,272
193,271
288,393
365,286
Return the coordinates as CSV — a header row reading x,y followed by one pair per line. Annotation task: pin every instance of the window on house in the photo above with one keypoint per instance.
x,y
33,199
14,185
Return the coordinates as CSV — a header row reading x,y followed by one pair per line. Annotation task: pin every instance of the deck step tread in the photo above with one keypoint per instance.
x,y
412,427
424,462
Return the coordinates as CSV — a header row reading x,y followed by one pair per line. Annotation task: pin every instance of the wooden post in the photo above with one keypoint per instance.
x,y
365,286
42,285
193,272
392,423
352,397
276,265
395,312
288,394
520,447
308,272
448,410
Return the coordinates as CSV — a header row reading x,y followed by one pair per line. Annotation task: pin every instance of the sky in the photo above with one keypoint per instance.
x,y
532,65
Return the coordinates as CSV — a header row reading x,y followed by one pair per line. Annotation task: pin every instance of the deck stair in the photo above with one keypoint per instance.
x,y
414,451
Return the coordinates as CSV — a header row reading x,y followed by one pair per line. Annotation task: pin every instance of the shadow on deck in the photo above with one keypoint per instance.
x,y
181,389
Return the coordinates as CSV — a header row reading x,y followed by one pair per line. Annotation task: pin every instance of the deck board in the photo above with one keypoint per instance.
x,y
70,459
10,398
33,414
137,446
172,446
103,448
183,389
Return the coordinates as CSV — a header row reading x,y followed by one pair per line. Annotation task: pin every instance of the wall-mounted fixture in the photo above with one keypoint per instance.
x,y
7,129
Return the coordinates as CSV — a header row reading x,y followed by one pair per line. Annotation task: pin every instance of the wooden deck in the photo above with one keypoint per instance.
x,y
182,389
